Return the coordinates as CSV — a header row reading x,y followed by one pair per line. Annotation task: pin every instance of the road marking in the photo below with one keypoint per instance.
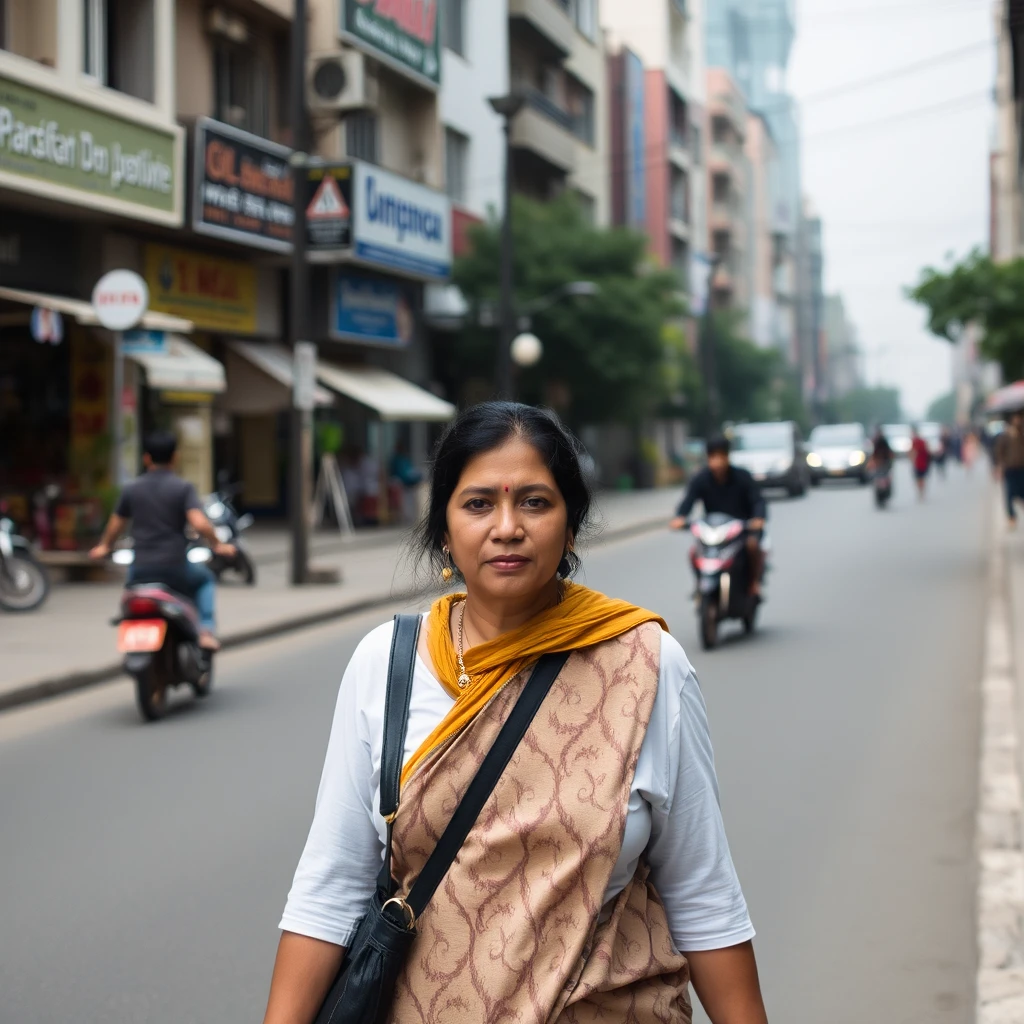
x,y
1000,903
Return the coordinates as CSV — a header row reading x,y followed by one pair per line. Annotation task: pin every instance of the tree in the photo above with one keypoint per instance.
x,y
943,409
978,290
603,355
870,406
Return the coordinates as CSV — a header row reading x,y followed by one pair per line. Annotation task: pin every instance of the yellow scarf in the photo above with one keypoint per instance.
x,y
582,619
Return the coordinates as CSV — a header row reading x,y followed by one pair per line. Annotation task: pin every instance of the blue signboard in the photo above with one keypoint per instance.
x,y
140,342
371,310
636,143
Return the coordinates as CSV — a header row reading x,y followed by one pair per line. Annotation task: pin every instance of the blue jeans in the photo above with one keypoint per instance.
x,y
191,580
1013,483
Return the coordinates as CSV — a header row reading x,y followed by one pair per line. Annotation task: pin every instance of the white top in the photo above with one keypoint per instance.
x,y
673,807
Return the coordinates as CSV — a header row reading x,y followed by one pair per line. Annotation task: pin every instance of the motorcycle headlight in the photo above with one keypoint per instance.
x,y
215,510
857,459
814,460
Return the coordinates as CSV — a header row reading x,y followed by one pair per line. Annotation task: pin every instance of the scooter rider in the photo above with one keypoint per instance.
x,y
881,452
732,491
160,504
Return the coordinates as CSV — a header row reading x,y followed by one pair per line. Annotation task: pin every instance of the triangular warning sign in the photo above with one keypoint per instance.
x,y
328,203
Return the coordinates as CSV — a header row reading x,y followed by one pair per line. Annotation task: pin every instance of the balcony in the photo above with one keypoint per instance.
x,y
678,151
727,159
544,129
547,21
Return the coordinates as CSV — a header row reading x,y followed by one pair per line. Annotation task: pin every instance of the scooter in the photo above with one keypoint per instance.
x,y
158,634
230,526
24,582
722,567
883,484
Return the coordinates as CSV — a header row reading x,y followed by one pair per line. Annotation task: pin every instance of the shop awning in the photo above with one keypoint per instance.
x,y
181,367
83,312
261,380
391,397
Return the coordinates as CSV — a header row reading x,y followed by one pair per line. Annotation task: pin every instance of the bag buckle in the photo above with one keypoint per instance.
x,y
398,900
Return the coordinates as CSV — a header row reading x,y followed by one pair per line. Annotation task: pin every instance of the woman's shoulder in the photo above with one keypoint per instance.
x,y
373,651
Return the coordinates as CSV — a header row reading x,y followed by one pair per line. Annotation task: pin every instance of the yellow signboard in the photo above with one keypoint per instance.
x,y
215,294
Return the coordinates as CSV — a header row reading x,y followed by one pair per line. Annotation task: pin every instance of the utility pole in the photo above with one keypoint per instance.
x,y
507,107
708,354
301,426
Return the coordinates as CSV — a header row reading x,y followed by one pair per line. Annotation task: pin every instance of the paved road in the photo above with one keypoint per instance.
x,y
144,867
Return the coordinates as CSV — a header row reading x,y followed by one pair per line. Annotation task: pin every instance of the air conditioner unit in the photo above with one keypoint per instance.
x,y
228,25
340,81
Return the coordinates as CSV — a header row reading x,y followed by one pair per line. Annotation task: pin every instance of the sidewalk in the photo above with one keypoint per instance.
x,y
68,643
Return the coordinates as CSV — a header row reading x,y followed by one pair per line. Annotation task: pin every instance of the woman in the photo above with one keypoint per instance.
x,y
597,882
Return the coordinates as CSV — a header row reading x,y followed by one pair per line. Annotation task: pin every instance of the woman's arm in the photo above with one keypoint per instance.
x,y
303,973
726,983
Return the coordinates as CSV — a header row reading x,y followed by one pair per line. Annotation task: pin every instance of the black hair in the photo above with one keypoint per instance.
x,y
160,446
487,426
718,444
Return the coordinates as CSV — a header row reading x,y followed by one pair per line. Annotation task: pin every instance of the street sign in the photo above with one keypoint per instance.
x,y
304,395
329,213
120,300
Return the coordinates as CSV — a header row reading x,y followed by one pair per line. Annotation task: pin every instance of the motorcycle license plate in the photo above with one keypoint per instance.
x,y
141,636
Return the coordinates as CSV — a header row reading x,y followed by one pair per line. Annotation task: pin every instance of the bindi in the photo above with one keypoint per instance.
x,y
506,488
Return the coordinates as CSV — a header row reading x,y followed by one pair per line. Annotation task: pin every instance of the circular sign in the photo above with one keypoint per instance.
x,y
47,325
120,300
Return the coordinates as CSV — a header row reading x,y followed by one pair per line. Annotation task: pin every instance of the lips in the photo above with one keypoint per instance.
x,y
508,563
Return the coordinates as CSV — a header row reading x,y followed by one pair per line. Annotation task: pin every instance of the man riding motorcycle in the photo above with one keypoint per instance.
x,y
160,505
725,488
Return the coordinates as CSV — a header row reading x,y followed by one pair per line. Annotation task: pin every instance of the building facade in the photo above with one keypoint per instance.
x,y
843,368
556,62
658,126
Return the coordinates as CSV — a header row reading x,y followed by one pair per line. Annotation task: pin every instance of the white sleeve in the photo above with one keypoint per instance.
x,y
342,857
691,866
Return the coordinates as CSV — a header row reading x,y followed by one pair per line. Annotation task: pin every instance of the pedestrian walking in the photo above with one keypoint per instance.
x,y
921,459
969,448
597,882
1009,463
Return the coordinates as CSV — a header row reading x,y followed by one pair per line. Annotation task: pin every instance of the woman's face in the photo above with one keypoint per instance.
x,y
507,523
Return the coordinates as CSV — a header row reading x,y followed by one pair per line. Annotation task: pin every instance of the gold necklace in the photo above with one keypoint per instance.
x,y
464,678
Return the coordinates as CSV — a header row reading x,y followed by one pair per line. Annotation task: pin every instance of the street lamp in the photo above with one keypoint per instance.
x,y
506,107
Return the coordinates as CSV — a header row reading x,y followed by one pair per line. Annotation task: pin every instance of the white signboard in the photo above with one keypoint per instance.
x,y
305,375
401,225
120,300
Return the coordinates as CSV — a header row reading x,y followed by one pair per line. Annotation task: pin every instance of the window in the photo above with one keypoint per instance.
x,y
118,45
453,25
241,86
456,165
361,136
4,44
679,196
695,141
584,15
580,103
677,119
720,188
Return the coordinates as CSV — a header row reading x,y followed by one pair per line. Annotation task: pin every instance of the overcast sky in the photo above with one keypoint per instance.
x,y
895,192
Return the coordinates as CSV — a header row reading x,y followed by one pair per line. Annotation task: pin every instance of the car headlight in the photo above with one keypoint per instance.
x,y
814,460
857,458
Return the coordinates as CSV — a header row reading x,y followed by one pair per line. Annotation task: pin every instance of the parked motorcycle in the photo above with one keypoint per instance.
x,y
220,510
883,484
158,634
24,581
722,567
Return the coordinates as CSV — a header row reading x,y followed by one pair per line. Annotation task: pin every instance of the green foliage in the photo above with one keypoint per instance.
x,y
978,290
870,406
604,356
754,383
943,410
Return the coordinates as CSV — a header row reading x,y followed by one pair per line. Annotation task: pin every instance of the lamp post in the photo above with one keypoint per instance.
x,y
506,107
300,428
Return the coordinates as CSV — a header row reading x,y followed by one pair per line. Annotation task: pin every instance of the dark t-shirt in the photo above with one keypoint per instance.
x,y
157,503
737,496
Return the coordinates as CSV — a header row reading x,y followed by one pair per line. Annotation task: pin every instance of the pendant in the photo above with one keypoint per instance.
x,y
464,681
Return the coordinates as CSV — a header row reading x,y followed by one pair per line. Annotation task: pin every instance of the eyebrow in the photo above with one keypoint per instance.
x,y
486,492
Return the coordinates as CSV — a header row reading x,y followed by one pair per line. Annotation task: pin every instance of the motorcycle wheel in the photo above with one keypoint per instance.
x,y
151,688
709,622
205,685
24,583
241,569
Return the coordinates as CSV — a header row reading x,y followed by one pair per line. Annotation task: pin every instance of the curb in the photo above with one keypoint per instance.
x,y
56,686
999,838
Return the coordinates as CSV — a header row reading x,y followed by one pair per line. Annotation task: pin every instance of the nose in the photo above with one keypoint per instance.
x,y
508,525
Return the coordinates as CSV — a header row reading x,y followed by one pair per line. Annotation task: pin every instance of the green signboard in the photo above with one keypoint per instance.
x,y
53,146
404,33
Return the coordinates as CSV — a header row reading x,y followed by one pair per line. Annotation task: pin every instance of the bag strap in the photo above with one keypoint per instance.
x,y
401,667
480,789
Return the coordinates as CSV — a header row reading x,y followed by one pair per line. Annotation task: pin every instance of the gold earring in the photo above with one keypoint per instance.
x,y
447,572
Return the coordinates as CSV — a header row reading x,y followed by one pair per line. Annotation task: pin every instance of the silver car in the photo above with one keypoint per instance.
x,y
839,451
772,453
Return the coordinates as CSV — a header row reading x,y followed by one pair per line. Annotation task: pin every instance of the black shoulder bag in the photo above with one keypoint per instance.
x,y
365,985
